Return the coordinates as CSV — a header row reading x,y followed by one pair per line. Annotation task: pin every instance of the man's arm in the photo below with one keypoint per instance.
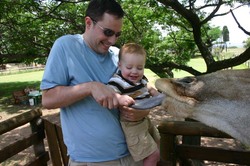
x,y
61,96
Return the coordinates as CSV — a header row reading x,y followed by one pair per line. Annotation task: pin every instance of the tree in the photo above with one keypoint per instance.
x,y
196,18
29,28
225,34
247,43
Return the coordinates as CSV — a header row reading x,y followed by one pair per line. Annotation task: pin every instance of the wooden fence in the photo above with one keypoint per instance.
x,y
35,139
172,152
175,153
20,69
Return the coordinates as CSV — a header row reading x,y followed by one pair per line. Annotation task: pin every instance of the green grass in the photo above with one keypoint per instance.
x,y
196,63
151,76
232,51
200,65
15,82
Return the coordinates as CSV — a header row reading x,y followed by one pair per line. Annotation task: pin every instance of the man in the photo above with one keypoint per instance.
x,y
74,80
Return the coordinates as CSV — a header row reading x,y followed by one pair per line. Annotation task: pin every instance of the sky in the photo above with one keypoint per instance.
x,y
236,36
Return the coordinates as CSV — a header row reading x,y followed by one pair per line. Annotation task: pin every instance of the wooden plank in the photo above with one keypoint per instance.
x,y
52,142
19,120
62,146
19,146
37,127
190,129
167,148
213,154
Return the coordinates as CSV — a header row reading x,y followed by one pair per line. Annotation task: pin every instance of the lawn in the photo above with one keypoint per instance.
x,y
15,82
199,63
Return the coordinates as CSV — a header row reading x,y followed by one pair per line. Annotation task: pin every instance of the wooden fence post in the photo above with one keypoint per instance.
x,y
167,149
37,126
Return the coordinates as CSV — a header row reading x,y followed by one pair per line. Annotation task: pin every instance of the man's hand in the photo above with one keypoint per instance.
x,y
132,114
104,95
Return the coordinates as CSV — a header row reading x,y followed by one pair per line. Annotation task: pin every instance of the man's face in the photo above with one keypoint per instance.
x,y
100,38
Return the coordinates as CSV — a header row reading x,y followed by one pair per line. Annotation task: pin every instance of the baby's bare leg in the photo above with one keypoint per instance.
x,y
152,159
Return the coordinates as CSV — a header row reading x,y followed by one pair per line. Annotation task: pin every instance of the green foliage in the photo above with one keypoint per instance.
x,y
214,33
247,43
29,28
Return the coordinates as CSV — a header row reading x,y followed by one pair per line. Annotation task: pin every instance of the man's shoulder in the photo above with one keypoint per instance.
x,y
69,42
69,38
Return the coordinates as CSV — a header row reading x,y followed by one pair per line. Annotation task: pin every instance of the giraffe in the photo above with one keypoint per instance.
x,y
220,100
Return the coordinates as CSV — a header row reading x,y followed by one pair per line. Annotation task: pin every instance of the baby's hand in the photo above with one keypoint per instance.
x,y
125,100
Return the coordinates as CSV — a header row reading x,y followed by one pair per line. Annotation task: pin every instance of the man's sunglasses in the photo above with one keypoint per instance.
x,y
107,32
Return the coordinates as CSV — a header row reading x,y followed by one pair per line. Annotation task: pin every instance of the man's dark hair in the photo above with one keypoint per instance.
x,y
97,8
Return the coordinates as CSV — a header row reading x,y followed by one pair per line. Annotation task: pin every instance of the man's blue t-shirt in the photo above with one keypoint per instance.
x,y
91,132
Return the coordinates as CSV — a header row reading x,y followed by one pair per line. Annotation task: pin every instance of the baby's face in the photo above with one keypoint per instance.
x,y
132,67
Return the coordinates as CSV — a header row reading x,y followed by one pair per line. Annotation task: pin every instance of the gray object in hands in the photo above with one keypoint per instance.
x,y
148,103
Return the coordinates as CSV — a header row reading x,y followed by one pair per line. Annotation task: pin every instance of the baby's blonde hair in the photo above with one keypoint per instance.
x,y
132,48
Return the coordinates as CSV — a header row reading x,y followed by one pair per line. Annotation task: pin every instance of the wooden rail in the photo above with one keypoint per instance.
x,y
34,139
172,152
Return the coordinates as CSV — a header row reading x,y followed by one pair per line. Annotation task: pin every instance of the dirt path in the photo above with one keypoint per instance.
x,y
156,116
